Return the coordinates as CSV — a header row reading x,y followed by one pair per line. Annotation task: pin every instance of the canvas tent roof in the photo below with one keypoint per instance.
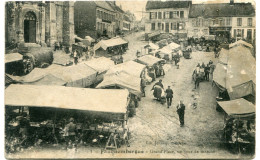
x,y
12,57
148,60
99,100
77,75
240,76
122,80
100,64
173,46
116,41
237,107
223,56
130,67
240,42
152,46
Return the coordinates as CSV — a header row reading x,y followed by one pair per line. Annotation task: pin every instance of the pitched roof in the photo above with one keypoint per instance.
x,y
104,4
114,6
167,4
221,10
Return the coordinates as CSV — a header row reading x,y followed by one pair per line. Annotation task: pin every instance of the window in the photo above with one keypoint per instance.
x,y
206,23
152,15
171,15
242,33
239,33
239,21
171,26
198,22
159,26
175,14
221,22
181,14
174,26
228,21
167,15
249,21
181,26
153,26
194,22
159,15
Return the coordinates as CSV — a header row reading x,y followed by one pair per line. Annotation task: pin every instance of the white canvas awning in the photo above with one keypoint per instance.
x,y
239,43
100,64
104,44
148,60
237,107
122,80
13,57
99,100
130,67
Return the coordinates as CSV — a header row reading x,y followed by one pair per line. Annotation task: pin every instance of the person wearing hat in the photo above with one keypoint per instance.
x,y
181,111
169,96
71,132
159,84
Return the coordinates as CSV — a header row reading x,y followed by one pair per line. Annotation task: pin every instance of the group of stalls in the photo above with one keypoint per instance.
x,y
99,114
168,52
112,48
21,64
86,74
235,78
130,75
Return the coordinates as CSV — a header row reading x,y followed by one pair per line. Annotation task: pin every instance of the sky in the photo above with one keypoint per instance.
x,y
137,6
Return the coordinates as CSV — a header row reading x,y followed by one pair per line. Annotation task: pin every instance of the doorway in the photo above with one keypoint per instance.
x,y
30,27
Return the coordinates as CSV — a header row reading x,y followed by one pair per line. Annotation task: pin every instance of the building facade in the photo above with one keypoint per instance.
x,y
94,18
167,16
224,20
119,15
39,22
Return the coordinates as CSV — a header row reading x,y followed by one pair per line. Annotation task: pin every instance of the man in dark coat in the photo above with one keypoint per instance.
x,y
159,84
143,85
206,70
169,96
181,111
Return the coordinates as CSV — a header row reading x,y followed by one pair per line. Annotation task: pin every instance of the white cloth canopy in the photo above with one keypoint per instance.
x,y
239,75
116,41
130,67
122,80
12,57
77,75
241,42
100,64
148,60
99,100
237,107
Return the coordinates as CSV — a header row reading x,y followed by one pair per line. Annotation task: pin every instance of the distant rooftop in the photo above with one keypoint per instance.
x,y
167,4
222,10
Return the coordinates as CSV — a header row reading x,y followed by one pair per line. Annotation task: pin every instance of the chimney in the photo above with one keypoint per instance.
x,y
231,2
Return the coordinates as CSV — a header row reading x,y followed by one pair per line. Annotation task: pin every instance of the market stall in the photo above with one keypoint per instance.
x,y
130,67
149,60
238,77
239,128
110,47
122,80
77,75
14,64
96,111
101,65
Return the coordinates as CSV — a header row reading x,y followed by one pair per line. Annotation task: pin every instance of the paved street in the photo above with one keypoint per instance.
x,y
155,128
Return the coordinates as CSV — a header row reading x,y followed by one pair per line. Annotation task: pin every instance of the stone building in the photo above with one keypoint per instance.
x,y
224,20
94,18
43,23
167,16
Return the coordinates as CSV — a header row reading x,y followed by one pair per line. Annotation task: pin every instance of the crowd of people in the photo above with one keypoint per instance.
x,y
202,72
